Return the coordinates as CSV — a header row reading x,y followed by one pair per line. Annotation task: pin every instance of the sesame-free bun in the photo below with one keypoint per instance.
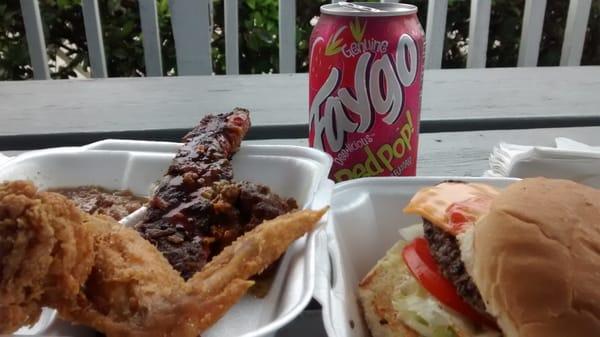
x,y
535,259
375,294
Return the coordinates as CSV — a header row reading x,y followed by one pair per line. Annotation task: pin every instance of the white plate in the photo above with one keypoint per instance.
x,y
365,218
290,171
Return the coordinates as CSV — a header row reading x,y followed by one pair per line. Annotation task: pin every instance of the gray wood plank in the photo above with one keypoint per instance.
x,y
31,107
93,35
531,33
435,33
192,33
232,47
151,37
36,44
466,153
479,27
287,36
577,19
298,131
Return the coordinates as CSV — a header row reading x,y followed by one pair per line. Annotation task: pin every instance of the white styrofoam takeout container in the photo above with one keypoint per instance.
x,y
366,215
290,171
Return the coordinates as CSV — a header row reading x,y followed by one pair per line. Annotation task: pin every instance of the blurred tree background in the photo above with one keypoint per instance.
x,y
65,36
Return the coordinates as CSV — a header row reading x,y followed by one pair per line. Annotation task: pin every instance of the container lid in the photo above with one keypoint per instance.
x,y
344,8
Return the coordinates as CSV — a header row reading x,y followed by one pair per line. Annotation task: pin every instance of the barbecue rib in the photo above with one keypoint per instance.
x,y
203,159
197,210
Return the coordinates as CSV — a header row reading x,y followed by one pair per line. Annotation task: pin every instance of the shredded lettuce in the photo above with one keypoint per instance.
x,y
444,332
423,313
411,232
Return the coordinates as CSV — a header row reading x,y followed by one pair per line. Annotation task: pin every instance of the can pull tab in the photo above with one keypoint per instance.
x,y
359,7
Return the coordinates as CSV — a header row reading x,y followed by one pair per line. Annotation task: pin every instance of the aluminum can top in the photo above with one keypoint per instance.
x,y
344,8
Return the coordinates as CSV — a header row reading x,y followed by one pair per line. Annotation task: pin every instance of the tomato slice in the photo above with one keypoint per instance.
x,y
421,264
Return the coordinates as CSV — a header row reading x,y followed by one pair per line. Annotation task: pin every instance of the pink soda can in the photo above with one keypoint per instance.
x,y
365,82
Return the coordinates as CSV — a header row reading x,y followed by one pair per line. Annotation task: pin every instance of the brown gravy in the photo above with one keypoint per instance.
x,y
97,200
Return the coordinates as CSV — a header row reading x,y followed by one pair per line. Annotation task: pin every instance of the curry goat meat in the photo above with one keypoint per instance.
x,y
197,208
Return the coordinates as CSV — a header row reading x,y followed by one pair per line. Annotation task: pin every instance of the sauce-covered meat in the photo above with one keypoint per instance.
x,y
97,200
197,209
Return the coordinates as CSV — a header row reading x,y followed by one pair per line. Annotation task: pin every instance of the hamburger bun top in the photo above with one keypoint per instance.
x,y
536,259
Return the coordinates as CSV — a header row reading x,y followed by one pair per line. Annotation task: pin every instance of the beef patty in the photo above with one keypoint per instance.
x,y
446,252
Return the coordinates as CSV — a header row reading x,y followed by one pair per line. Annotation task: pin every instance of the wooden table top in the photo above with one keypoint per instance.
x,y
119,104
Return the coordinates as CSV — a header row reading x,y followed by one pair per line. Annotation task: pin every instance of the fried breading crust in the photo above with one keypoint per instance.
x,y
45,253
134,291
121,284
129,275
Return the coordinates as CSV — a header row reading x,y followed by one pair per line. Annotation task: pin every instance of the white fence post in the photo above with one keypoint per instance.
x,y
577,19
232,47
531,32
435,33
151,37
34,33
287,36
93,34
191,31
478,33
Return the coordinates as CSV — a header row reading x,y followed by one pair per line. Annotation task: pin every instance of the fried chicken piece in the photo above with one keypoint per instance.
x,y
45,253
247,256
128,276
133,290
128,287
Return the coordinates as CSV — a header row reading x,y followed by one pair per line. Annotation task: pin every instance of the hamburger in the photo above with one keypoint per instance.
x,y
521,262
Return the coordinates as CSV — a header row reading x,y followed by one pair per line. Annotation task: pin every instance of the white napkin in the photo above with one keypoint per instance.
x,y
568,160
3,158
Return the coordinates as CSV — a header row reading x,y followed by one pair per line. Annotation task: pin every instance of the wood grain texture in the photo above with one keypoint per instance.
x,y
467,153
463,153
36,44
34,107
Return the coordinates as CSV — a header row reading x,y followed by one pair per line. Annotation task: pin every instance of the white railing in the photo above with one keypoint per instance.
x,y
191,20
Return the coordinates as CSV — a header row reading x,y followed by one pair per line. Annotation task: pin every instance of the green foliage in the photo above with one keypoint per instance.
x,y
14,57
258,29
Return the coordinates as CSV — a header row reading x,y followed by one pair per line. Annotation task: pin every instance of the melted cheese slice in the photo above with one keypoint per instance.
x,y
438,203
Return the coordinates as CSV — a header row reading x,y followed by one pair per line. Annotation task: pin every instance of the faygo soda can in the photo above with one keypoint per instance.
x,y
365,82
